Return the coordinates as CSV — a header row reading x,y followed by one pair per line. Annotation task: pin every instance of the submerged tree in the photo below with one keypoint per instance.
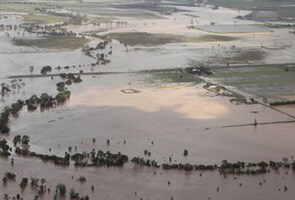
x,y
62,189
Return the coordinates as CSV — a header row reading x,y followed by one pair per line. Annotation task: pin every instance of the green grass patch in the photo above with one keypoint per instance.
x,y
213,38
138,38
239,56
274,82
99,20
170,77
232,28
70,5
53,42
191,15
26,7
139,15
105,9
43,19
149,39
288,11
18,7
187,2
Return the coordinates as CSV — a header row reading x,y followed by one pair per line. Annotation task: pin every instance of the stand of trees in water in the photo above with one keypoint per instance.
x,y
39,186
99,158
44,101
101,58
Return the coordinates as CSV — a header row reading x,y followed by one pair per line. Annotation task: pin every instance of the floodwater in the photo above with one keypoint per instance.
x,y
229,28
174,117
136,183
162,115
287,108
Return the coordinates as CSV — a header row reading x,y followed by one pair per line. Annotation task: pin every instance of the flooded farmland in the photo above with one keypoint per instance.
x,y
145,100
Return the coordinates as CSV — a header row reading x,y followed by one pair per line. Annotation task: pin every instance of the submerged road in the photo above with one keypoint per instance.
x,y
150,70
253,124
96,73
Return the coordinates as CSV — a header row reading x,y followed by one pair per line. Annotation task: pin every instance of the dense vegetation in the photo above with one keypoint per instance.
x,y
53,42
44,101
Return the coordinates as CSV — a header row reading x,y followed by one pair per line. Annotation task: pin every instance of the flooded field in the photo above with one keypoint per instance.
x,y
166,116
240,28
132,103
273,82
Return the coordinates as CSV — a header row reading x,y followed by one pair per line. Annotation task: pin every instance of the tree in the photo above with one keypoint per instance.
x,y
10,175
6,197
185,152
62,96
25,139
24,183
62,189
74,194
5,129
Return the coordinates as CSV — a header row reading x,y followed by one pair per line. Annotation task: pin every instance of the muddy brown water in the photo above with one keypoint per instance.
x,y
123,183
174,117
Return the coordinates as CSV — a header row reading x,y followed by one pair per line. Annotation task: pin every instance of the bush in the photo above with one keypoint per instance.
x,y
74,194
3,145
62,189
17,139
82,179
185,152
60,86
62,96
24,183
10,175
4,153
25,139
5,129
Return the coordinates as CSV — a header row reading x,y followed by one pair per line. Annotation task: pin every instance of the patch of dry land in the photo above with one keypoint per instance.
x,y
53,42
149,39
43,19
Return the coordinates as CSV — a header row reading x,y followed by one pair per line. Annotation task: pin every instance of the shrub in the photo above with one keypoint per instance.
x,y
185,152
10,175
24,183
62,189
